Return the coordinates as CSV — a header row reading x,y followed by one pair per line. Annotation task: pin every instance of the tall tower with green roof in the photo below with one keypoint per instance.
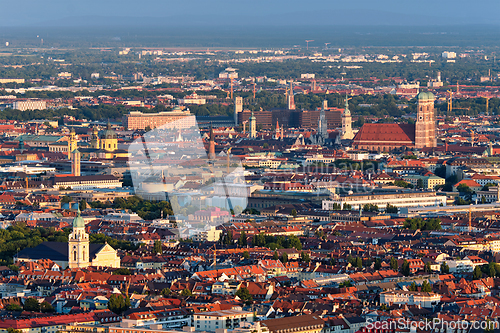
x,y
78,245
347,133
425,126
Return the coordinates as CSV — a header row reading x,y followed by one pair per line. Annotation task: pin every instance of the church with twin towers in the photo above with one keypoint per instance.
x,y
379,137
383,137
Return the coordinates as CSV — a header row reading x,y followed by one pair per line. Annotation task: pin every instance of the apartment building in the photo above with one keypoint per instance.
x,y
423,299
224,319
176,118
29,104
398,198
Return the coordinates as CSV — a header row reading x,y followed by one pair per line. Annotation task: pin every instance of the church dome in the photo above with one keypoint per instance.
x,y
108,133
78,221
425,96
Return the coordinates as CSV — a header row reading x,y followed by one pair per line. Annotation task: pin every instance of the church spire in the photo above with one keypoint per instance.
x,y
346,133
211,144
253,126
322,123
78,245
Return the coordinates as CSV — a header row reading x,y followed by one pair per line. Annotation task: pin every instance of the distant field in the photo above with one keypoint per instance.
x,y
192,38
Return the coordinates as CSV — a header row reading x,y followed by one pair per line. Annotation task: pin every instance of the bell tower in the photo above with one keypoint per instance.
x,y
94,143
347,133
72,143
425,126
78,245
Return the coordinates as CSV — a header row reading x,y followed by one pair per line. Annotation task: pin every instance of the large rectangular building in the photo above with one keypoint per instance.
x,y
224,319
29,104
399,198
292,118
177,119
410,298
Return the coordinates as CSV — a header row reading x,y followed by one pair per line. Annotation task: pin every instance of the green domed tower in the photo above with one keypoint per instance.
x,y
78,245
109,139
425,126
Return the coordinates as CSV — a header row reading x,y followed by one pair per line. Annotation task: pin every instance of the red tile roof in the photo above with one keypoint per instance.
x,y
390,133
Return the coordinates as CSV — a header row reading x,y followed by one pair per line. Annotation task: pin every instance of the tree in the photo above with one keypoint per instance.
x,y
31,304
66,199
345,284
445,269
157,247
420,183
477,274
421,224
83,204
166,292
305,257
427,267
492,272
275,255
405,268
370,208
186,293
294,242
413,287
13,307
389,209
359,263
244,294
487,186
284,257
242,241
13,330
402,183
46,307
118,303
229,237
426,287
377,265
122,271
463,188
394,264
246,255
294,213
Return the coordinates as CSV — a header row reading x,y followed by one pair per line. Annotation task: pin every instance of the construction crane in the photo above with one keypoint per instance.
x,y
326,45
450,106
307,43
228,153
470,218
244,125
215,255
231,88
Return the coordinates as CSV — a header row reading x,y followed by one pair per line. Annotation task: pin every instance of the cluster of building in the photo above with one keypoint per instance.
x,y
298,222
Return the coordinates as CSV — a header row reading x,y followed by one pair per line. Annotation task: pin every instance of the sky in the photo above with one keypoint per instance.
x,y
25,13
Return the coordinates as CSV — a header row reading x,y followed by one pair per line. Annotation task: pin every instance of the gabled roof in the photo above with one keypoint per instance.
x,y
390,133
